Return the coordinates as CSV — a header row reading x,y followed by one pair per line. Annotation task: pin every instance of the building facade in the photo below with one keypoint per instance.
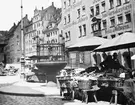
x,y
83,19
111,18
13,47
42,29
76,27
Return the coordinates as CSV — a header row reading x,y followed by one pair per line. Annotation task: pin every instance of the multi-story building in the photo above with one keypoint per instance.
x,y
76,27
13,47
111,18
102,18
115,17
2,45
51,31
42,29
29,32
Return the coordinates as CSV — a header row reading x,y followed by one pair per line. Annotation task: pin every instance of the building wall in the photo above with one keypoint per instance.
x,y
13,48
95,25
43,20
72,21
121,12
79,11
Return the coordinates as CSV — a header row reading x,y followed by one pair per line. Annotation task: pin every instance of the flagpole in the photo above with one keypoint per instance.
x,y
22,41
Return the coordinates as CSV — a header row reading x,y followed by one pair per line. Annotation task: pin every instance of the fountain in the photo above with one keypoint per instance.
x,y
51,69
51,63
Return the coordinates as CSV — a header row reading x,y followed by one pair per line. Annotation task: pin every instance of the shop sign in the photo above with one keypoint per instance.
x,y
118,28
76,22
117,10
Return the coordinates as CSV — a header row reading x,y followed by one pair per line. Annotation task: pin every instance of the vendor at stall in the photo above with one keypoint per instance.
x,y
116,63
107,63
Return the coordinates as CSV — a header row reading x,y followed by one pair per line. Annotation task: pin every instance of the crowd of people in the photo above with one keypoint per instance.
x,y
111,62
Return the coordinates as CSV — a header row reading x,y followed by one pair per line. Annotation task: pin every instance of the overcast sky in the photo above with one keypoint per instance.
x,y
11,12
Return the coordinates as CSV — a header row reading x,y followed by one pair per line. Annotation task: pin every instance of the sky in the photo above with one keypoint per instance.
x,y
10,10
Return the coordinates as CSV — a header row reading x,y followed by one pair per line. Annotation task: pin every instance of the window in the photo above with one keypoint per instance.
x,y
105,37
128,17
69,2
17,36
84,30
68,18
120,33
65,20
118,2
83,10
126,1
97,9
78,13
111,4
64,4
120,19
112,20
81,56
92,12
113,36
103,5
68,35
104,24
80,30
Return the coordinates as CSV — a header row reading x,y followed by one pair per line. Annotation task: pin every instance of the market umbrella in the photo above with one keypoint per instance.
x,y
126,40
88,44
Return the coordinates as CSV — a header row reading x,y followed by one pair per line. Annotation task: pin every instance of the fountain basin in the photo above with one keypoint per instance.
x,y
50,68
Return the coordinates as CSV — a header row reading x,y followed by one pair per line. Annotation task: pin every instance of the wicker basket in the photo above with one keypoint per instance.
x,y
84,84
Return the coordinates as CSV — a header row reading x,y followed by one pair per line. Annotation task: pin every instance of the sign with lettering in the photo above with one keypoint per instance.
x,y
116,10
118,28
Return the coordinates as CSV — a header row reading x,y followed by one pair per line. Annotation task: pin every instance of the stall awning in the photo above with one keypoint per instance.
x,y
126,40
89,44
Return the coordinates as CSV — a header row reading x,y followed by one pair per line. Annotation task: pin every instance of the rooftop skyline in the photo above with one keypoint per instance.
x,y
11,10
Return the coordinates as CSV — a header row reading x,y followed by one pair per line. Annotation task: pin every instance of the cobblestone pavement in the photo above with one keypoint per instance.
x,y
27,100
8,99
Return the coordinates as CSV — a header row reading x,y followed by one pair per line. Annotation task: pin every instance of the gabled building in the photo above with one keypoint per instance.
x,y
13,48
42,29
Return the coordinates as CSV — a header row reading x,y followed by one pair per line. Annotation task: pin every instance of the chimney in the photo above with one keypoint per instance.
x,y
52,3
42,8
